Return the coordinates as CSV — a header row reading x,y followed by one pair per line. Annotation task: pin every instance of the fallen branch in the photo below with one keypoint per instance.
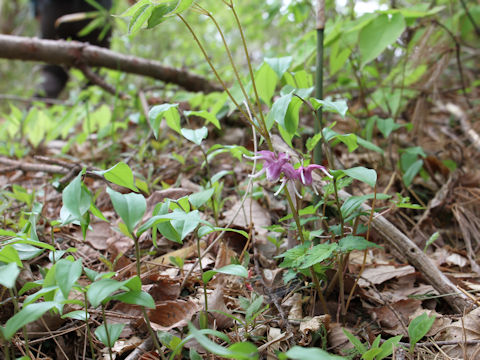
x,y
76,54
416,257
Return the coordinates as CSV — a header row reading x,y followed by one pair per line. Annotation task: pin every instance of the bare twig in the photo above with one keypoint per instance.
x,y
73,53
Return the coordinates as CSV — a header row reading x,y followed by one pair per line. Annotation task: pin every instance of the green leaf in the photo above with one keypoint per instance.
x,y
119,174
134,8
209,345
210,117
292,116
130,207
231,269
140,298
419,327
416,11
182,224
158,112
200,198
208,229
304,353
351,242
66,274
182,5
244,351
412,171
317,254
371,353
27,315
76,315
253,308
139,18
368,176
378,34
159,15
266,80
9,274
386,126
279,65
369,145
279,110
101,289
239,351
195,136
114,331
355,341
388,346
348,139
76,200
10,255
340,107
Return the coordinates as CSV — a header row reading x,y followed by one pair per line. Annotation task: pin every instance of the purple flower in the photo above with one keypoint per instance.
x,y
289,174
273,164
306,173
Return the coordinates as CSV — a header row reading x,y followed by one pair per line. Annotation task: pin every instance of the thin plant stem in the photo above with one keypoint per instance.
x,y
318,126
232,63
209,175
337,201
144,311
341,285
201,271
106,332
89,331
252,77
302,240
205,55
13,295
340,262
370,218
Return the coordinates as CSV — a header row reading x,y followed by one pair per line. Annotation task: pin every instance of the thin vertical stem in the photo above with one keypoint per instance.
x,y
224,86
302,240
252,77
106,332
89,332
318,125
144,311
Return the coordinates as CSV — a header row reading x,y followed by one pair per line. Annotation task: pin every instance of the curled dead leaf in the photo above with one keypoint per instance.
x,y
170,314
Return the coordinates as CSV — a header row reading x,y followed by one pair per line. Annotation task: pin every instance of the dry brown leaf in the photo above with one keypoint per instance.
x,y
99,234
224,255
379,274
119,244
312,325
466,328
296,311
337,339
251,212
121,346
216,302
388,317
164,287
170,314
185,253
273,344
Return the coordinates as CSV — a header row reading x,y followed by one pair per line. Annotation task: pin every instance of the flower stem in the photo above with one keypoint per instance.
x,y
302,240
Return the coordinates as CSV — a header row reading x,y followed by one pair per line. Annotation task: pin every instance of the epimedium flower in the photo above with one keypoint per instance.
x,y
306,173
276,165
289,174
273,164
